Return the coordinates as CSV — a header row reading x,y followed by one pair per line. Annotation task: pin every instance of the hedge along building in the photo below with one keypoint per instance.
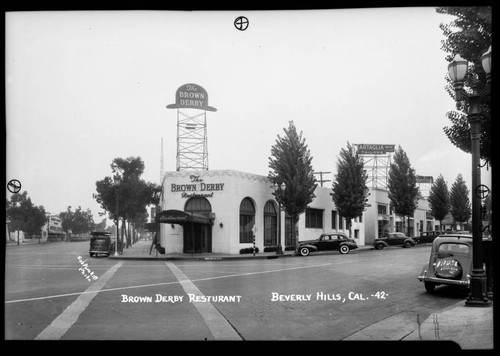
x,y
216,211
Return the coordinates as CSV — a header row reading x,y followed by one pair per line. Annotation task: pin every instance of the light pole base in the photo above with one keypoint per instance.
x,y
477,296
478,303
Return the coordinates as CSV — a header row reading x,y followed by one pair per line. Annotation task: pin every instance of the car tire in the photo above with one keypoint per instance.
x,y
379,246
429,287
91,254
344,249
407,244
304,251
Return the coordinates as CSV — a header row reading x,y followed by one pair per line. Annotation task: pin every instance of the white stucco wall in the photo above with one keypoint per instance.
x,y
225,202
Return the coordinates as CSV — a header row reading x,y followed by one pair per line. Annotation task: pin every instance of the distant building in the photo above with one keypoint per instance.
x,y
381,219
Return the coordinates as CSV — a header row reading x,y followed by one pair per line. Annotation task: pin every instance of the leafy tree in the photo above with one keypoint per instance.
x,y
290,162
468,35
402,185
78,222
23,215
349,188
439,199
134,194
459,201
100,226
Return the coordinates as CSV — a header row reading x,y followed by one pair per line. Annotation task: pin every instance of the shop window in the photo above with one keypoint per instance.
x,y
383,228
314,218
341,222
270,225
334,220
247,220
382,209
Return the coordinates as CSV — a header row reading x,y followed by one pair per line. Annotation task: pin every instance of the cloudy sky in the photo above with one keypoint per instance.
x,y
85,87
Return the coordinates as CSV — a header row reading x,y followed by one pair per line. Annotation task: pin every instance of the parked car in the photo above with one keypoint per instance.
x,y
427,236
394,239
450,262
100,243
329,241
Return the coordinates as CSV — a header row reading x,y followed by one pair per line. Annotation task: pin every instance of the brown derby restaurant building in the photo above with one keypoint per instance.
x,y
218,211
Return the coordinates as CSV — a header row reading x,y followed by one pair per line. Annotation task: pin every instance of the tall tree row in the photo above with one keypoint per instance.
x,y
402,185
349,190
439,200
133,194
290,162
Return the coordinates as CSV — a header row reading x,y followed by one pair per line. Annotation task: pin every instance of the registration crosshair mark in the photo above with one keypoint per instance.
x,y
14,186
241,23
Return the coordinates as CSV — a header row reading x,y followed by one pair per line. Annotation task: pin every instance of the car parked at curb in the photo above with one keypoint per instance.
x,y
329,241
100,243
427,237
394,239
450,262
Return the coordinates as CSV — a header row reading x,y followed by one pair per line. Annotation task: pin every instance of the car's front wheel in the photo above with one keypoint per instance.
x,y
379,246
304,251
344,249
407,244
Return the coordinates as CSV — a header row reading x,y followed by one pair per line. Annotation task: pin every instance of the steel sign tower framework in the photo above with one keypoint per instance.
x,y
192,140
377,160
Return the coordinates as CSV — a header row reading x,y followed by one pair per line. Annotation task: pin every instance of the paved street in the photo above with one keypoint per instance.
x,y
365,295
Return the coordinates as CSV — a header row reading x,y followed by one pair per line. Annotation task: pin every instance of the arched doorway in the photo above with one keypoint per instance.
x,y
198,236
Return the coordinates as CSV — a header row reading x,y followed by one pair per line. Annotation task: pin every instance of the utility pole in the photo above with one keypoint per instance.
x,y
321,180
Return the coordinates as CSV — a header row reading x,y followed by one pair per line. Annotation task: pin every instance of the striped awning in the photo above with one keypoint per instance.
x,y
181,217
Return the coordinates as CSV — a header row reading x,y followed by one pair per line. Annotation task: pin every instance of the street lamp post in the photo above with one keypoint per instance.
x,y
457,70
117,180
279,189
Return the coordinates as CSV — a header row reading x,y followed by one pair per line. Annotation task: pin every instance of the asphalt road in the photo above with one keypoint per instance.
x,y
365,295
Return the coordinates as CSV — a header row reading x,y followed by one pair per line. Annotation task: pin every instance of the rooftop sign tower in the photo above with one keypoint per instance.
x,y
192,147
377,160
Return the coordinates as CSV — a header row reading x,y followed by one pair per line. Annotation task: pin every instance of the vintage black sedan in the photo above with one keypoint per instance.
x,y
450,262
100,243
330,241
394,239
426,237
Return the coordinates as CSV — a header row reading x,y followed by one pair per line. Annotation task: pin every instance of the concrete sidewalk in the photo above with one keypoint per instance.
x,y
141,250
470,327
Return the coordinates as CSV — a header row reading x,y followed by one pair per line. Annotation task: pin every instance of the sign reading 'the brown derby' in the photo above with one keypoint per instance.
x,y
191,96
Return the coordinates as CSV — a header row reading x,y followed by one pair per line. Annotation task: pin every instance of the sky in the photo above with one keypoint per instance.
x,y
85,87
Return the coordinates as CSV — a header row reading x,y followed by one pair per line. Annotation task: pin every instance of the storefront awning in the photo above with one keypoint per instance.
x,y
181,217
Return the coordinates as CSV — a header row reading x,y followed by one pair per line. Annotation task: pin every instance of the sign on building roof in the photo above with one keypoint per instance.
x,y
191,96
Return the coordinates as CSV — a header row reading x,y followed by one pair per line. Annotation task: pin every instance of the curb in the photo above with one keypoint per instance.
x,y
225,258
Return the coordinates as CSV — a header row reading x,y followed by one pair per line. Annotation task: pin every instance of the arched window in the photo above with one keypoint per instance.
x,y
247,220
198,205
270,225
